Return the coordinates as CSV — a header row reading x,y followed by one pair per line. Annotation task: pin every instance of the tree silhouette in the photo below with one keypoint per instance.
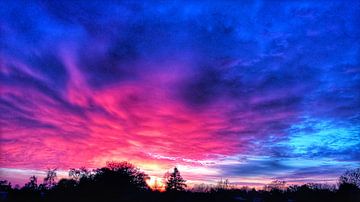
x,y
351,177
49,180
174,181
5,185
223,185
126,172
32,184
66,184
278,185
122,181
77,174
349,185
202,188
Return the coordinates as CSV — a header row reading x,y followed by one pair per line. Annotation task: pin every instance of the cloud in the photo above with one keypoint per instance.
x,y
179,84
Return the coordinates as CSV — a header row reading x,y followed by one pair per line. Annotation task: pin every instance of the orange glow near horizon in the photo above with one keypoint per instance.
x,y
156,183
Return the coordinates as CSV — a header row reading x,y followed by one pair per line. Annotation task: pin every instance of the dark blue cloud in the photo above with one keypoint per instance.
x,y
256,167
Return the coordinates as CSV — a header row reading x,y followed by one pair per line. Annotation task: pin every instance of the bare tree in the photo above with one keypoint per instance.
x,y
202,188
351,177
276,185
223,185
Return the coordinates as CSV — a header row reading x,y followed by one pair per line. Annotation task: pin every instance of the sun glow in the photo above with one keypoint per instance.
x,y
156,183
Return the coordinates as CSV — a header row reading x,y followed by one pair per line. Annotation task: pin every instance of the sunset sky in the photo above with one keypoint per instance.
x,y
250,91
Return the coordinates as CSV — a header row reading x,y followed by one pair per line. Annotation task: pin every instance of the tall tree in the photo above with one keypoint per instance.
x,y
174,181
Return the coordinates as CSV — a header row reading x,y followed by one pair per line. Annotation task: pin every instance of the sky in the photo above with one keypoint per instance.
x,y
250,91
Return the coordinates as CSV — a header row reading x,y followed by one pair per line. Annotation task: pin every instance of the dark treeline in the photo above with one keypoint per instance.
x,y
123,182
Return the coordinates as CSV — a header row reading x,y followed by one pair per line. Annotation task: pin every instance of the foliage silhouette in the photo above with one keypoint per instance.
x,y
49,180
32,184
122,181
5,185
174,181
77,174
351,177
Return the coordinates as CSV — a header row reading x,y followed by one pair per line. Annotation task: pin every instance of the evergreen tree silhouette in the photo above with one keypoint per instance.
x,y
174,181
